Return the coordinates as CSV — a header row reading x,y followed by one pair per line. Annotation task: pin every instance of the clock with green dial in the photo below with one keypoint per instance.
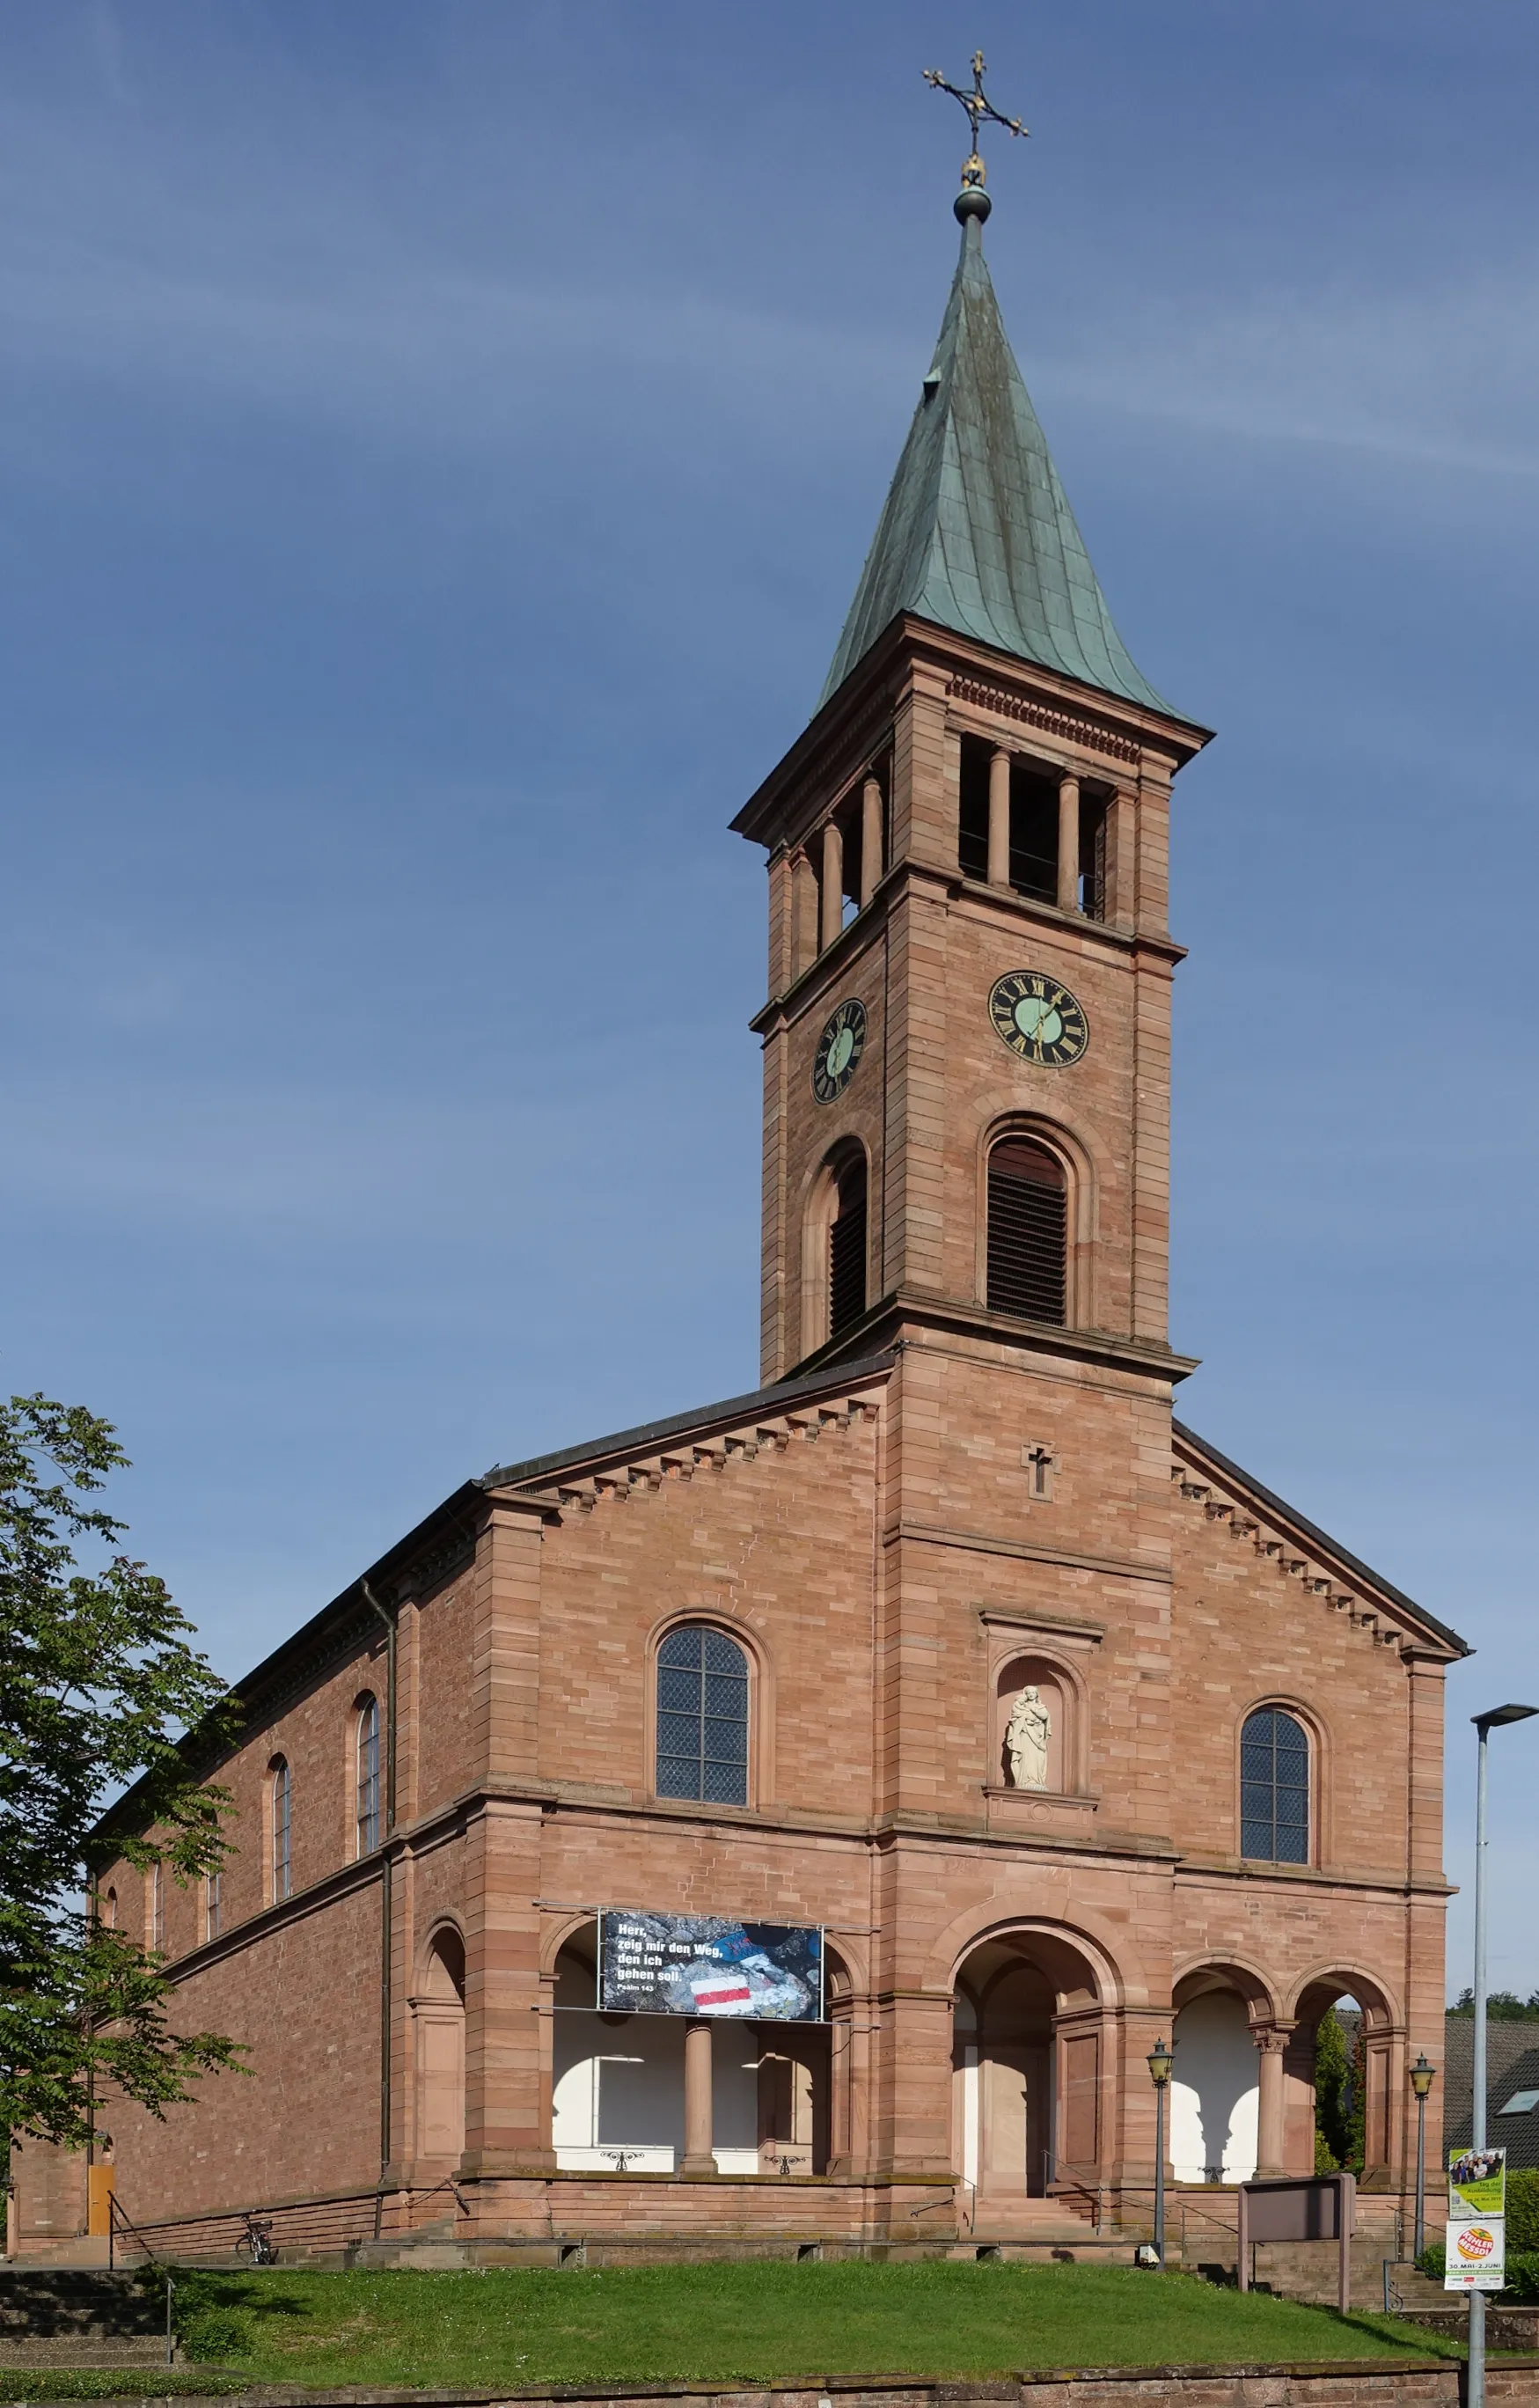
x,y
1034,1014
839,1049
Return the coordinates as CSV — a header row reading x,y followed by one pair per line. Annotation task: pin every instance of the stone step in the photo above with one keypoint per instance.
x,y
86,2350
58,2303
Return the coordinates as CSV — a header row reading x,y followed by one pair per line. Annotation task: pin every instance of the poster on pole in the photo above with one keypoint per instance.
x,y
1474,2253
707,1964
1478,2183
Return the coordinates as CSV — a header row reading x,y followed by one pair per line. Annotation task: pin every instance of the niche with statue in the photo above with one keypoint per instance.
x,y
1034,1741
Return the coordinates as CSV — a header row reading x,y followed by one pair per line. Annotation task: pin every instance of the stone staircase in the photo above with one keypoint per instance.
x,y
79,2316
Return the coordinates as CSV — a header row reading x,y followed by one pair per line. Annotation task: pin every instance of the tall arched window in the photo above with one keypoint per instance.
x,y
109,1910
368,1774
702,1716
846,1237
278,1823
1275,1788
1028,1230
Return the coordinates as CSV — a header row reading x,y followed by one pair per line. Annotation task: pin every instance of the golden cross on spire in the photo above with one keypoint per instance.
x,y
978,106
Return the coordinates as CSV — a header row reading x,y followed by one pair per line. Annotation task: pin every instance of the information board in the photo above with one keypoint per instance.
x,y
705,1965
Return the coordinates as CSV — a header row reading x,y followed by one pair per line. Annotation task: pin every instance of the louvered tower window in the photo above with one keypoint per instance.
x,y
1275,1788
1028,1223
702,1716
846,1250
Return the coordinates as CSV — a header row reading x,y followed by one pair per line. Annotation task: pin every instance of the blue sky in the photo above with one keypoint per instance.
x,y
440,446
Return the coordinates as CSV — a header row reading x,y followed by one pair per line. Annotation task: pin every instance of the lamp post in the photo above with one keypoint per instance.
x,y
1160,2063
1422,2076
1484,1724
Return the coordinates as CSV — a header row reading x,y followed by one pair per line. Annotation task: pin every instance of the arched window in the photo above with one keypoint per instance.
x,y
157,1907
211,1906
278,1823
702,1716
109,1910
1275,1788
368,1774
1028,1230
846,1248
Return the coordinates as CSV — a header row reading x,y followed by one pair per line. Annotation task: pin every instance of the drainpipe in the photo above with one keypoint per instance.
x,y
390,1621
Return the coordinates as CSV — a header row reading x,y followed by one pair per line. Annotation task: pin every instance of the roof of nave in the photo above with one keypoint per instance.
x,y
764,1403
444,1539
976,533
1309,1535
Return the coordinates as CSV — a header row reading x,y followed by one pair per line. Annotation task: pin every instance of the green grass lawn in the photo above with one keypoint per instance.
x,y
715,2323
746,2323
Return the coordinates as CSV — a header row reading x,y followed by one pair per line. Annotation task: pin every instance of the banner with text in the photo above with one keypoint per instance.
x,y
1478,2183
704,1965
1476,2253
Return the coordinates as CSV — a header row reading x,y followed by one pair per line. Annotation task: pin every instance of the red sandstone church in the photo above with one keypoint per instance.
x,y
1042,1728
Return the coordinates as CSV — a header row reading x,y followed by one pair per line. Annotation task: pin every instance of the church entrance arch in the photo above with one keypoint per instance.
x,y
1027,2066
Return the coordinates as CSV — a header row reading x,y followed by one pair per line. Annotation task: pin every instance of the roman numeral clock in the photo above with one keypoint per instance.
x,y
1038,1018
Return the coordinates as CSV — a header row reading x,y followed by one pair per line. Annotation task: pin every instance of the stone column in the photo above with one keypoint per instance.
x,y
871,839
1121,897
1269,2107
833,916
804,914
1068,843
697,2158
999,819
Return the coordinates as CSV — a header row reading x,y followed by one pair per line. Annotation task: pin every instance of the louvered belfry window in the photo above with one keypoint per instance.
x,y
1028,1226
1275,1788
847,1251
702,1716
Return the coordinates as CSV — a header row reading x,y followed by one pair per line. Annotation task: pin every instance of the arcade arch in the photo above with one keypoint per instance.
x,y
438,2032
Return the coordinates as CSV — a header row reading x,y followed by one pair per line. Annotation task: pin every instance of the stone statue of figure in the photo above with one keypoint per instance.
x,y
1026,1736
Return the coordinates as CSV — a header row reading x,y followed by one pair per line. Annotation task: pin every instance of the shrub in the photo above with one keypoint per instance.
x,y
1523,2210
211,2333
1522,2283
1434,2260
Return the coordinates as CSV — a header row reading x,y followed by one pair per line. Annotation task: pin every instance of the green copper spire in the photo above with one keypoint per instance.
x,y
976,533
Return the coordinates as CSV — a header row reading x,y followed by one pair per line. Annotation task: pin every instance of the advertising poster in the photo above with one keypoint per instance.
x,y
1475,2259
1478,2183
704,1965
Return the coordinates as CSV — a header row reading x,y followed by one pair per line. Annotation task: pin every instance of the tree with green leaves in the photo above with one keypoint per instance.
x,y
1502,2007
1333,2095
98,1680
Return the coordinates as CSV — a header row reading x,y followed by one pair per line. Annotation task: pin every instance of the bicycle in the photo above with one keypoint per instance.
x,y
258,2239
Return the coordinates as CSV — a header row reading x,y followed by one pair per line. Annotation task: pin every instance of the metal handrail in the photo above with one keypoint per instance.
x,y
118,2215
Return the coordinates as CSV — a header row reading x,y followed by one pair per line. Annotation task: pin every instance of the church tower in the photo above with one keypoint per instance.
x,y
966,1040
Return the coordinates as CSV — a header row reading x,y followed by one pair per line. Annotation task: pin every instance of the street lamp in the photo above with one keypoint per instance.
x,y
1422,2076
1160,2063
1484,1724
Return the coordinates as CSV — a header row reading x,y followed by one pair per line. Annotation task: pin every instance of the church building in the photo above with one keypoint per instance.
x,y
791,1825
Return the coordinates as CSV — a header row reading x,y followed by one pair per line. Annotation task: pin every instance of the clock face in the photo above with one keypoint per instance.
x,y
1040,1019
839,1049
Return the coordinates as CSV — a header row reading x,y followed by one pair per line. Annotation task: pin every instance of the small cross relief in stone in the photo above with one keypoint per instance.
x,y
1039,1463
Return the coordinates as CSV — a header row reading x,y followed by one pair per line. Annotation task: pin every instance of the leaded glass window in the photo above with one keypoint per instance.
x,y
368,1776
702,1716
1275,1788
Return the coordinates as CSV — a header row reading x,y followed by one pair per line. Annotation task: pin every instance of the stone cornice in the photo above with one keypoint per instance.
x,y
1300,1552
